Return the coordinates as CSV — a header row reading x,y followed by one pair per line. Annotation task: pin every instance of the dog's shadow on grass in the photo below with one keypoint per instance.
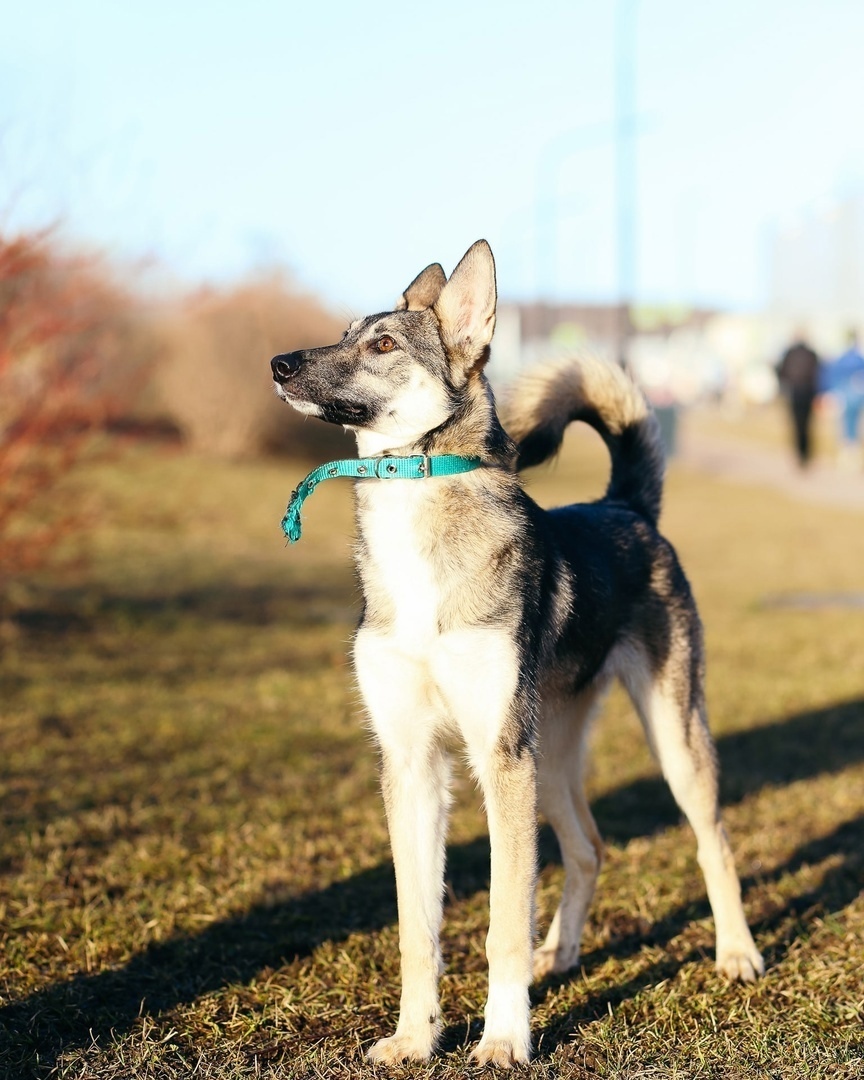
x,y
839,887
36,1030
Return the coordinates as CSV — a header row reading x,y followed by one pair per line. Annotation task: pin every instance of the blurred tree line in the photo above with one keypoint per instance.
x,y
84,355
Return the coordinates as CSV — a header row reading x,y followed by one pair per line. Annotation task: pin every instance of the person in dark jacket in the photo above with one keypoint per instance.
x,y
798,372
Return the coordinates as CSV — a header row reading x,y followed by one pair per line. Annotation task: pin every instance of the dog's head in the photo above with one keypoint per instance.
x,y
401,374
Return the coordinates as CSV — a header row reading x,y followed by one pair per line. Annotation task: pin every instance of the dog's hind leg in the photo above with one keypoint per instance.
x,y
670,704
564,729
414,779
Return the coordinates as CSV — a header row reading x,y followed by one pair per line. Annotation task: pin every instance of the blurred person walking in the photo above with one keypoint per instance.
x,y
844,379
799,375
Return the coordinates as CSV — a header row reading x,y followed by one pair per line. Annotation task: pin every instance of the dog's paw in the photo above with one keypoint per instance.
x,y
398,1048
505,1053
554,961
741,962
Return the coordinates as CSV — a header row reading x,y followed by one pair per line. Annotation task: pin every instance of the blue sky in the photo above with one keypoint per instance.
x,y
355,143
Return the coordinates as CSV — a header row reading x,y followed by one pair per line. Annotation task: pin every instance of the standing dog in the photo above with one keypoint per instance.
x,y
491,621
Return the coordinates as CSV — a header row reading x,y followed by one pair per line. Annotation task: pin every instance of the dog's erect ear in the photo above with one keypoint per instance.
x,y
424,290
466,308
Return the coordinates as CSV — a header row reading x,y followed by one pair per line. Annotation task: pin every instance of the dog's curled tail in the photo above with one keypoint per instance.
x,y
549,396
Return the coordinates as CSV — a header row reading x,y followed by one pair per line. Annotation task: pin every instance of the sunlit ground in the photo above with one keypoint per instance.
x,y
195,869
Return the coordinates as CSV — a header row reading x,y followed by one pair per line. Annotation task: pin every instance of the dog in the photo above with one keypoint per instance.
x,y
497,625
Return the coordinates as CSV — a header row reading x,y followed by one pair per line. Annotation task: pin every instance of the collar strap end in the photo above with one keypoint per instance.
x,y
388,467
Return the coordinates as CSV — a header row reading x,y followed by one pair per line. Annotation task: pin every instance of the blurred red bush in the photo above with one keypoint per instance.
x,y
81,352
65,330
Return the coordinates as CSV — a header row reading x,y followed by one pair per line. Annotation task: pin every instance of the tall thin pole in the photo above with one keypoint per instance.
x,y
625,167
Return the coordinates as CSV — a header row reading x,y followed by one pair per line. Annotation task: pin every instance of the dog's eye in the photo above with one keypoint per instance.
x,y
385,343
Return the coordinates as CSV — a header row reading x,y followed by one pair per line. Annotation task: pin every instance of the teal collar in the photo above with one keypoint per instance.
x,y
416,467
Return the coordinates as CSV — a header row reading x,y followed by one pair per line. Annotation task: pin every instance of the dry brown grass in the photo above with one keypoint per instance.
x,y
194,870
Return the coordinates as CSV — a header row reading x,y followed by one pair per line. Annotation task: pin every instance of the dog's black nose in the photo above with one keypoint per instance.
x,y
285,366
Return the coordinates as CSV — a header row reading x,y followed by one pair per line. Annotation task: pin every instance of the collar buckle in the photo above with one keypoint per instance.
x,y
386,467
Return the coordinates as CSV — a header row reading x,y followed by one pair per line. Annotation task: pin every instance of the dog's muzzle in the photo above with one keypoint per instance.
x,y
285,366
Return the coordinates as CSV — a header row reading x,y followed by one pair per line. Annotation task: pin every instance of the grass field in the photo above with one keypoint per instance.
x,y
194,869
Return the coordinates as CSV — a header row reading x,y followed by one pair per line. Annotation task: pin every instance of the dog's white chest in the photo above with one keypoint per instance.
x,y
395,539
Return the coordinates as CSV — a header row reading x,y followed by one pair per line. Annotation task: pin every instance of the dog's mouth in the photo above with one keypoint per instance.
x,y
301,404
283,392
351,414
335,411
350,411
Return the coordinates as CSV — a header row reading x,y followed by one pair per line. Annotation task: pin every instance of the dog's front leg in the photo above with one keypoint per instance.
x,y
416,814
478,673
509,791
415,784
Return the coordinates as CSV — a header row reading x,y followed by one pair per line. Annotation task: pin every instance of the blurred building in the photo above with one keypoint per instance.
x,y
682,355
672,349
817,268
